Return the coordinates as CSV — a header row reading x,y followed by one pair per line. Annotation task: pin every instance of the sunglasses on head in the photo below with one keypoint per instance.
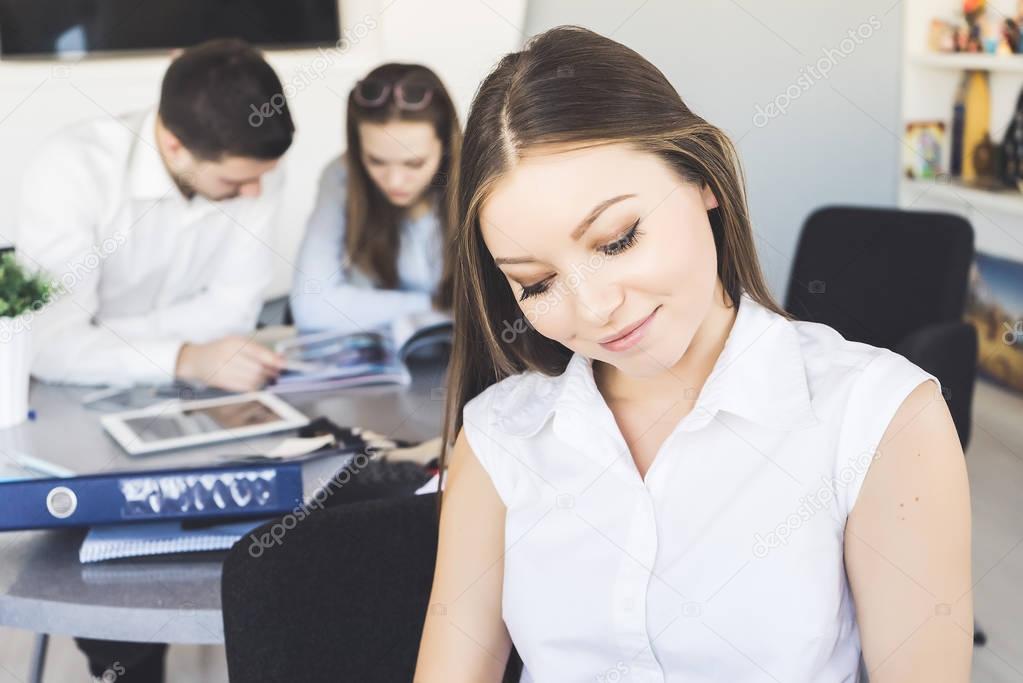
x,y
408,95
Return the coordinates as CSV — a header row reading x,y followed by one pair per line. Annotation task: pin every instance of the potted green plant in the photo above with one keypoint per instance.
x,y
22,294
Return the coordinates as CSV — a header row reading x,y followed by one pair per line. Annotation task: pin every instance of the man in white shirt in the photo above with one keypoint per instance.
x,y
156,225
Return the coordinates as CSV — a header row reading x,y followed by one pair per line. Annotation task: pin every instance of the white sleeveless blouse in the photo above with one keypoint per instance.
x,y
726,562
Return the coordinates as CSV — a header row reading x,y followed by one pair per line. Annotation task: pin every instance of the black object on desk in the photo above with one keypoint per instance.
x,y
379,479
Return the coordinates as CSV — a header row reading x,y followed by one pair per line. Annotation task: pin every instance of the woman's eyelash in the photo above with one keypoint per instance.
x,y
624,242
613,249
534,290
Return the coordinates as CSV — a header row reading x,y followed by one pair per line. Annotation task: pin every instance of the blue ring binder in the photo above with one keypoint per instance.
x,y
228,491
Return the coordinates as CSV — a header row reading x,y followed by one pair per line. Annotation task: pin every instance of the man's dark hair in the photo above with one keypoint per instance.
x,y
209,96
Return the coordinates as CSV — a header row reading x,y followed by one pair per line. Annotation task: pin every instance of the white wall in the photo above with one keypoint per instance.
x,y
459,38
838,141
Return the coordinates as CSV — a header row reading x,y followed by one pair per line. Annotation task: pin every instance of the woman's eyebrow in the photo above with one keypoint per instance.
x,y
583,226
595,213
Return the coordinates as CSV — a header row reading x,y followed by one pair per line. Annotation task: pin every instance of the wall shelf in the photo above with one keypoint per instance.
x,y
1003,201
963,61
929,84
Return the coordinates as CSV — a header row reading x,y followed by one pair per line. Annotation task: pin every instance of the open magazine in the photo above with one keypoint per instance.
x,y
337,360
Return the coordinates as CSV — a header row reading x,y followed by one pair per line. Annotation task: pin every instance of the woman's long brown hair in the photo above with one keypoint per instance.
x,y
373,234
571,85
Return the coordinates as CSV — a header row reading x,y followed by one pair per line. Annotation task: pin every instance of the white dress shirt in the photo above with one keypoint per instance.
x,y
726,562
143,268
328,293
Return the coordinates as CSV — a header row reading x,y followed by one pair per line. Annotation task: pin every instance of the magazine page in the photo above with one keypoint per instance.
x,y
335,360
417,330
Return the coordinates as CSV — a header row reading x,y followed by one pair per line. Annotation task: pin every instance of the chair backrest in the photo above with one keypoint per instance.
x,y
895,279
341,597
877,275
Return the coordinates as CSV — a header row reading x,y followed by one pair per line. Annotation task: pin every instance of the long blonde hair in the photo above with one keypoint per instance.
x,y
571,85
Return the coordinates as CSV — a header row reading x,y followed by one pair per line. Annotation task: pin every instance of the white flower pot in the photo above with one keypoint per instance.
x,y
15,365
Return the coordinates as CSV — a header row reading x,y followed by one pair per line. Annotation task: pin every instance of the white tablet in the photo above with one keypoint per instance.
x,y
182,424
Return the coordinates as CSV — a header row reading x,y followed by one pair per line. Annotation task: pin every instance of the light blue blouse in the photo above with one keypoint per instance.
x,y
326,295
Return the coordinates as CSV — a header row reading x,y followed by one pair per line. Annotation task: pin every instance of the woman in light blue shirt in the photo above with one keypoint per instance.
x,y
374,246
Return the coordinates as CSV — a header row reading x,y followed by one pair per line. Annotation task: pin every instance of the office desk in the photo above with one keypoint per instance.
x,y
174,599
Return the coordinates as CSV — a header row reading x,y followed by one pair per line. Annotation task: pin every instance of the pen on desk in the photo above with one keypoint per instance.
x,y
42,466
100,394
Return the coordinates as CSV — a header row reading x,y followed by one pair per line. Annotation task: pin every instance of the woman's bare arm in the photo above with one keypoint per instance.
x,y
465,639
907,549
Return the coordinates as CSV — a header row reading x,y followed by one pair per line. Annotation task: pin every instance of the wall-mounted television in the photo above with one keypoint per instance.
x,y
63,27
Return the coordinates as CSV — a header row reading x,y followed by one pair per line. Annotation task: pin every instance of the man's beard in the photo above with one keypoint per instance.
x,y
183,186
190,192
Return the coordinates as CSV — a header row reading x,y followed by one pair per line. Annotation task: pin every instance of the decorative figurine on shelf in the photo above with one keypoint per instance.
x,y
973,9
984,159
960,36
1011,157
990,34
980,31
942,37
1010,36
973,43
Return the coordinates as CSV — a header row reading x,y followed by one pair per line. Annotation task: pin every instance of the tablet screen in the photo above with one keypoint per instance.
x,y
173,425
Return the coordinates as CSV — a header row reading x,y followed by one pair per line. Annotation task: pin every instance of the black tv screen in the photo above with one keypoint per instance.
x,y
48,27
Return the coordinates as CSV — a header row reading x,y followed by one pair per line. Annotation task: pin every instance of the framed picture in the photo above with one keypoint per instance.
x,y
922,153
995,307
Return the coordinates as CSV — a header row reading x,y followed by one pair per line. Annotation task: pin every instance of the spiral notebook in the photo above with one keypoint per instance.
x,y
165,537
159,538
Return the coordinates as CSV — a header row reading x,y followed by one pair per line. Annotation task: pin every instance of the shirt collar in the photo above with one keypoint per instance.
x,y
760,375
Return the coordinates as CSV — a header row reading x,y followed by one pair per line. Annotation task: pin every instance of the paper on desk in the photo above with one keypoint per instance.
x,y
429,487
421,453
295,446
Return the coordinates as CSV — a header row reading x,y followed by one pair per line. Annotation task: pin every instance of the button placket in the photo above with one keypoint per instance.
x,y
630,591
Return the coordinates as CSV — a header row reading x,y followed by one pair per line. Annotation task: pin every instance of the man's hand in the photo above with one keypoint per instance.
x,y
233,363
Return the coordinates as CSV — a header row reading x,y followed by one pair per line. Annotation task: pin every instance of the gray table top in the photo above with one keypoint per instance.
x,y
173,599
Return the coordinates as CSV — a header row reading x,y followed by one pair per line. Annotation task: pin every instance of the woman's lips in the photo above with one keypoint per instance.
x,y
632,335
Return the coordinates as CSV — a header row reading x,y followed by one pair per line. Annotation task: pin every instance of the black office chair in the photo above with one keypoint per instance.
x,y
895,279
342,598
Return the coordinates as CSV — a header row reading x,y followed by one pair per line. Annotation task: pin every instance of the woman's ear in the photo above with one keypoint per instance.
x,y
709,200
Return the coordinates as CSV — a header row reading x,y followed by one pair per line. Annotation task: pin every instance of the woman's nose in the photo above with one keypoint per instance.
x,y
597,301
395,179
